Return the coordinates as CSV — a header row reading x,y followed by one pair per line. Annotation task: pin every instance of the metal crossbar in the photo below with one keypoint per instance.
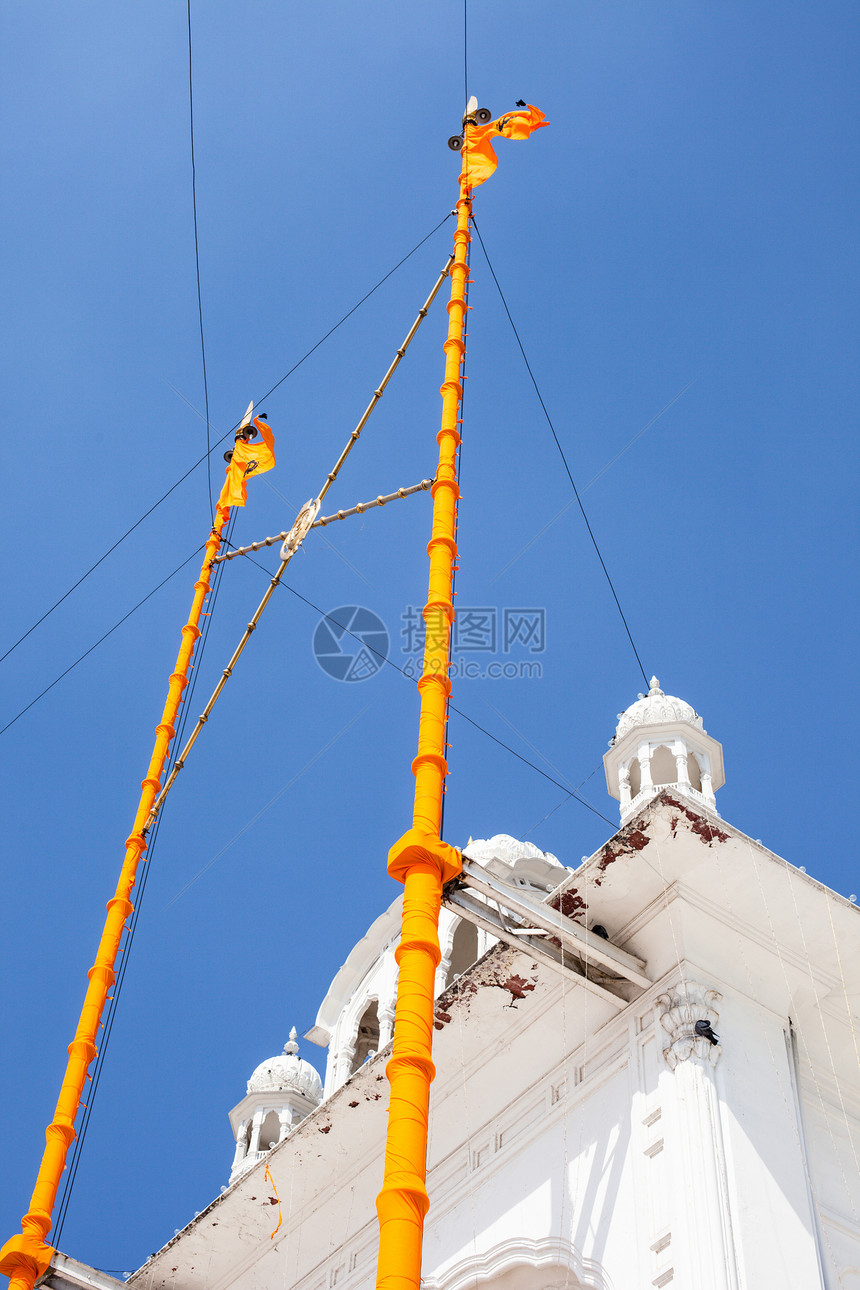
x,y
358,509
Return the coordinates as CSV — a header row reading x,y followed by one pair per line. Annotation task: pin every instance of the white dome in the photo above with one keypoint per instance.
x,y
656,708
521,863
287,1071
510,850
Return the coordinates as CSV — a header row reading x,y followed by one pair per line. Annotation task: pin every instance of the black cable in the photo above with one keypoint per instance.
x,y
216,445
107,1022
153,836
125,950
565,787
399,263
385,659
176,745
197,262
107,1025
100,560
561,452
562,803
197,660
71,666
200,648
465,55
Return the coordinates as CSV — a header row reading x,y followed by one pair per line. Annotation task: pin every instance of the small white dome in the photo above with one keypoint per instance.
x,y
655,708
287,1071
521,863
510,850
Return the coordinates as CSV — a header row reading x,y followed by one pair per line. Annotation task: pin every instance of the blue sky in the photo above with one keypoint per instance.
x,y
687,223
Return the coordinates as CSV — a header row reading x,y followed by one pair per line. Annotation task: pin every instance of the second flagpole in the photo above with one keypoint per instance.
x,y
420,859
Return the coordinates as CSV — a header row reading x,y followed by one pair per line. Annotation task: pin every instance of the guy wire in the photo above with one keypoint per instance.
x,y
216,445
562,454
197,263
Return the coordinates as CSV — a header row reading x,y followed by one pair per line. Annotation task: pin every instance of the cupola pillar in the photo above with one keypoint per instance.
x,y
660,743
281,1092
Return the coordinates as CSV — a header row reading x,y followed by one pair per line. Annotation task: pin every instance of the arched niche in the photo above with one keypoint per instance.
x,y
270,1131
663,766
367,1036
694,772
464,949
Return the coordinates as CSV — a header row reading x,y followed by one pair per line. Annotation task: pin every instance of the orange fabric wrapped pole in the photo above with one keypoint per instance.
x,y
421,860
25,1257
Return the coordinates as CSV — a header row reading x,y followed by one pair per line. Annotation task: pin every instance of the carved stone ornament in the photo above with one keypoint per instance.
x,y
686,1004
654,709
287,1072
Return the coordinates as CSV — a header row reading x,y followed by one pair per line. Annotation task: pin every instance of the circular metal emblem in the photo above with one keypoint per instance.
x,y
301,528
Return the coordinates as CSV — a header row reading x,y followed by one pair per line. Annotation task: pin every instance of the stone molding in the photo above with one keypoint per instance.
x,y
679,1010
553,1263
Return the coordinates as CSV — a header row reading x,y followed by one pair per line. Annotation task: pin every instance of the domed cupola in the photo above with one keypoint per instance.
x,y
659,743
281,1091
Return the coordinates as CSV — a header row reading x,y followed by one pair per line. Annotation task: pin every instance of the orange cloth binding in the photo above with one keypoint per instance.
x,y
421,860
267,1175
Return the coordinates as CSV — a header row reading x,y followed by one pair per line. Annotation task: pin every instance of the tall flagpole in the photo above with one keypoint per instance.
x,y
420,860
27,1256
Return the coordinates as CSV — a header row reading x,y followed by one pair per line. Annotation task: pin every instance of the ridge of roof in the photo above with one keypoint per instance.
x,y
707,825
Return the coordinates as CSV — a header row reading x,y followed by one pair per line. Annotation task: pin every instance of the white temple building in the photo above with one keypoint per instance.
x,y
665,1093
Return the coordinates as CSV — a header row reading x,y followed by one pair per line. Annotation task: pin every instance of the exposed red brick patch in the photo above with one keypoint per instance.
x,y
517,985
703,828
638,840
570,903
608,856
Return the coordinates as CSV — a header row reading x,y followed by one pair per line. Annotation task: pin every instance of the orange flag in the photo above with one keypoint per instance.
x,y
248,459
479,158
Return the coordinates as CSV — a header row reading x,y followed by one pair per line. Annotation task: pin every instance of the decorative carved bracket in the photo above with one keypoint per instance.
x,y
680,1009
